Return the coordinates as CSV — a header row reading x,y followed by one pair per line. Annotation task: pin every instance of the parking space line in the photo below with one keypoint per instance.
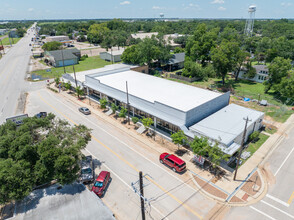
x,y
266,215
290,199
124,160
284,161
274,207
277,200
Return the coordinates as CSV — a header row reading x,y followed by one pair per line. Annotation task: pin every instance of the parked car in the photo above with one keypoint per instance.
x,y
101,183
85,110
87,170
41,115
177,164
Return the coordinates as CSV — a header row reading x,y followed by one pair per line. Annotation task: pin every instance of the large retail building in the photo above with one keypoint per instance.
x,y
174,106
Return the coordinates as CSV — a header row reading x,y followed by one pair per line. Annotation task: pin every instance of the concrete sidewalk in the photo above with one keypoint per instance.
x,y
251,183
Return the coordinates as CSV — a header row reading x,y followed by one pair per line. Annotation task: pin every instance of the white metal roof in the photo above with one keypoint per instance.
x,y
226,124
177,95
81,75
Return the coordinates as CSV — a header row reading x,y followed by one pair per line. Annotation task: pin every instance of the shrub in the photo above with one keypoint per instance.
x,y
135,120
114,108
253,136
103,103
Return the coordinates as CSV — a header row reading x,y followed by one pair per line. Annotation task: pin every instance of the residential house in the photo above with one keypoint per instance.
x,y
169,39
144,35
176,62
58,58
260,76
13,33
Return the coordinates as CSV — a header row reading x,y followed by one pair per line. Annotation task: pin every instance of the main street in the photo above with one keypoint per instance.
x,y
279,200
13,68
171,195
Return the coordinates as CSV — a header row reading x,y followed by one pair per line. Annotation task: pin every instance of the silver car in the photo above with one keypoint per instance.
x,y
85,110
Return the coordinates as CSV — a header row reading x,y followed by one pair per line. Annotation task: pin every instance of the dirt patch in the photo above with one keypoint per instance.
x,y
210,189
37,65
267,174
218,212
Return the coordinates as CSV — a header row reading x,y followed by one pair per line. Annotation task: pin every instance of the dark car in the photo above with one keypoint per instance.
x,y
41,115
85,110
177,164
101,183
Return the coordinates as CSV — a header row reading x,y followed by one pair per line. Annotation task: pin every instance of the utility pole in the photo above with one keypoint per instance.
x,y
242,147
73,67
62,59
142,195
128,104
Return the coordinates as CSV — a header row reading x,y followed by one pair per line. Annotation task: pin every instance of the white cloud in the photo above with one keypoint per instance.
x,y
221,8
218,2
193,5
30,9
125,3
286,4
157,8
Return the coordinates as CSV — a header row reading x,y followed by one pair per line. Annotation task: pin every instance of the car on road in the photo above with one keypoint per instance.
x,y
101,183
41,115
87,170
85,110
177,164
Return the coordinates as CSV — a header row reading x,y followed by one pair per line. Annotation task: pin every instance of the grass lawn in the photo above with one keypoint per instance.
x,y
89,63
5,41
255,146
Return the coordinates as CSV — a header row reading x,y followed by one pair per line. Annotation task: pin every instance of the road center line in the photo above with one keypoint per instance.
x,y
266,215
160,167
277,200
291,198
132,166
284,161
274,207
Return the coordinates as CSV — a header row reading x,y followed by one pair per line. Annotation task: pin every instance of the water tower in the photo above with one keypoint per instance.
x,y
161,15
250,21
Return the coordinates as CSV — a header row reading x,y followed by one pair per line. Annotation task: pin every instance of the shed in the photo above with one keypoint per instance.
x,y
113,56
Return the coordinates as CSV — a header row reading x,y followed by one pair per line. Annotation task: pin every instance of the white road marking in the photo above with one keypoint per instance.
x,y
124,182
284,162
266,215
75,111
277,200
274,207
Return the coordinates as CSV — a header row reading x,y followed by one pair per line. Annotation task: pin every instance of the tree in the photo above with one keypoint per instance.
x,y
179,50
80,91
148,50
277,70
37,152
57,81
200,146
67,86
240,58
147,122
98,33
131,55
114,108
135,120
123,112
224,58
286,88
54,45
179,138
103,103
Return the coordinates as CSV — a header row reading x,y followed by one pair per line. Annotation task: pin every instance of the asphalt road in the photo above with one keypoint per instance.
x,y
279,201
170,195
13,68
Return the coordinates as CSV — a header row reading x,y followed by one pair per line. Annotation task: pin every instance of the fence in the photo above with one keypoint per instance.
x,y
187,79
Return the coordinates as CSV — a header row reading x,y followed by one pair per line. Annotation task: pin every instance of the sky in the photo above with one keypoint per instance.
x,y
92,9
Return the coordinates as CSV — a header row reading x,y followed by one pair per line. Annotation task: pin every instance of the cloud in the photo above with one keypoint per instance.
x,y
286,4
218,2
157,8
193,5
30,9
125,3
221,8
